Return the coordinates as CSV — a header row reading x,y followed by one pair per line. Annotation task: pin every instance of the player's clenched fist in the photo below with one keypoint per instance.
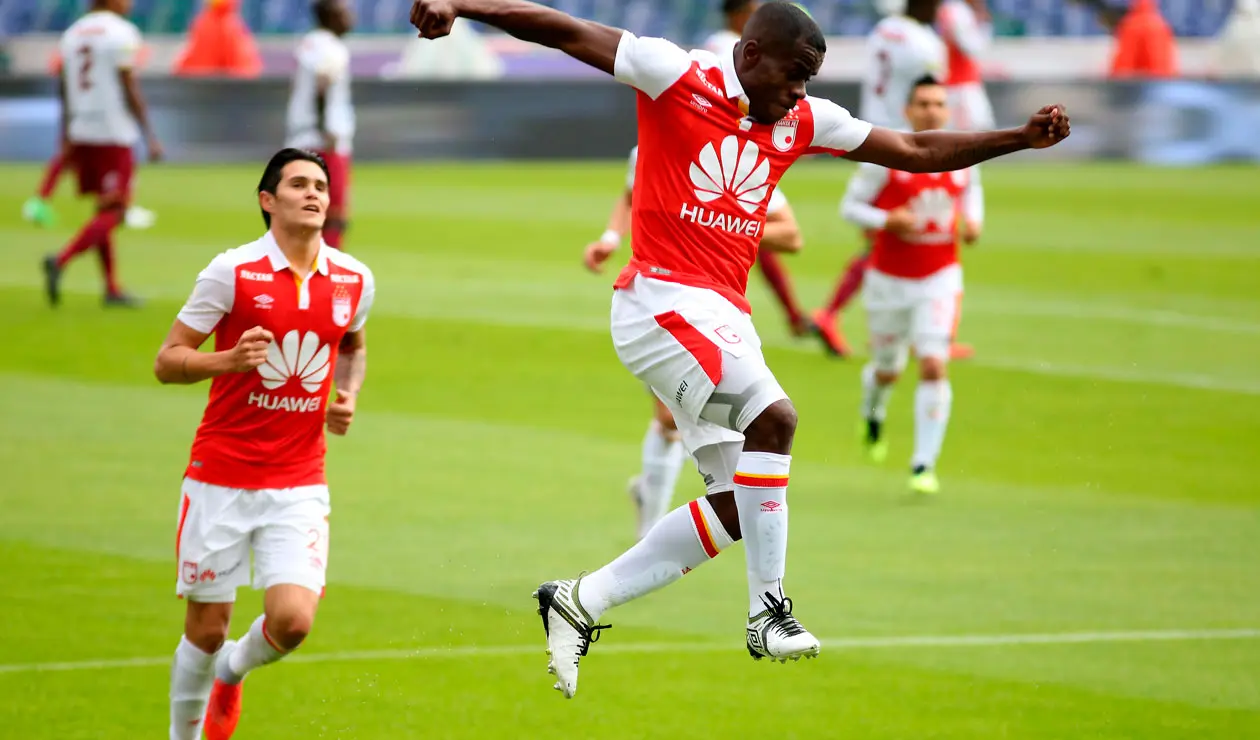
x,y
251,349
596,254
1047,127
433,18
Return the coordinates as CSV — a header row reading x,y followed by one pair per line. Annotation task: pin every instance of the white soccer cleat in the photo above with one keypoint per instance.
x,y
777,635
139,218
570,631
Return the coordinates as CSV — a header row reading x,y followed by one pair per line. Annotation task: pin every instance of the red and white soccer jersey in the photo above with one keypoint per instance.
x,y
705,172
966,38
913,285
101,127
255,478
899,51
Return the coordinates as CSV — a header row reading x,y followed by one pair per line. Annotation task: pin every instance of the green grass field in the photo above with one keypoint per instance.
x,y
1092,569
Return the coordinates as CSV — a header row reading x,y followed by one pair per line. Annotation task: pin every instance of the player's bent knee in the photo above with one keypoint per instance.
x,y
932,368
887,377
773,430
206,625
723,504
290,627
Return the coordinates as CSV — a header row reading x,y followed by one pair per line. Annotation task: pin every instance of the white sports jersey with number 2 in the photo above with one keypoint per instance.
x,y
899,51
93,51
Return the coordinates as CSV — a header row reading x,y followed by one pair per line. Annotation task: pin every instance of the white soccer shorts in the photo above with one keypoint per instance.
x,y
702,357
286,531
901,313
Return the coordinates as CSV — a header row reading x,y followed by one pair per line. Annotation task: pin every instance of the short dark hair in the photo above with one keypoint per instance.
x,y
924,81
730,7
270,181
784,25
323,11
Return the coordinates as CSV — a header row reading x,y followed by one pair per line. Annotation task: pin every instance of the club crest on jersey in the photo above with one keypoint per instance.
x,y
783,135
341,309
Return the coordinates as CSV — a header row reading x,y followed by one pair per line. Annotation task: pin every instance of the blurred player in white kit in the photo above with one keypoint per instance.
x,y
913,287
902,48
321,112
102,119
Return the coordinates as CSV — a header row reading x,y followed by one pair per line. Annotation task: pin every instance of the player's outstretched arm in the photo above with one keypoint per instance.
x,y
588,42
782,233
945,151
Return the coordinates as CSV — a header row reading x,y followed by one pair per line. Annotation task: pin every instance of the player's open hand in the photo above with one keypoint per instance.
x,y
597,254
251,349
156,152
433,18
340,413
1047,127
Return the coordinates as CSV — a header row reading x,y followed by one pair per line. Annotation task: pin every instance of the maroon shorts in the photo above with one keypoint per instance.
x,y
104,169
338,182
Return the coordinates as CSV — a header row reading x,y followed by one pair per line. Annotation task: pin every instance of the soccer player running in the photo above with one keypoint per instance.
x,y
102,117
913,288
321,113
653,488
287,313
901,48
680,319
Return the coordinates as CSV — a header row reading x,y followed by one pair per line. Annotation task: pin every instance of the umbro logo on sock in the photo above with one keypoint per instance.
x,y
771,506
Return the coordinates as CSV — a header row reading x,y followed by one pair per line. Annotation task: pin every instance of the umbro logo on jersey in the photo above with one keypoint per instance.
x,y
264,301
739,171
700,103
262,277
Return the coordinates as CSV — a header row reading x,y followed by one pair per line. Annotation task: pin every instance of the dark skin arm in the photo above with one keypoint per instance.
x,y
135,103
945,151
591,43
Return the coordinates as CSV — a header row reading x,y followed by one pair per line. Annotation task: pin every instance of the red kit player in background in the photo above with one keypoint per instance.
x,y
102,118
680,318
287,313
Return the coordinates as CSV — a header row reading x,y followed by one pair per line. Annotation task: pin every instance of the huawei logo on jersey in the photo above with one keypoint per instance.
x,y
296,356
934,212
738,172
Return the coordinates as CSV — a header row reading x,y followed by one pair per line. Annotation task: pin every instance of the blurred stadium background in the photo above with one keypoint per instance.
x,y
1092,569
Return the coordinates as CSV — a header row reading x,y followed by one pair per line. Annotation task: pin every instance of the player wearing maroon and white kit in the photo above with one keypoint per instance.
x,y
287,313
321,112
102,118
680,319
913,288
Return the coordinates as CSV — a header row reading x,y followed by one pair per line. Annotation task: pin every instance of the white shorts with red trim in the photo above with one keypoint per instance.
x,y
286,531
702,357
902,312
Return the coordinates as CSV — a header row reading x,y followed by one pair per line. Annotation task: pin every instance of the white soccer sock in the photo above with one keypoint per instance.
x,y
874,396
192,677
932,402
680,542
761,495
253,651
662,463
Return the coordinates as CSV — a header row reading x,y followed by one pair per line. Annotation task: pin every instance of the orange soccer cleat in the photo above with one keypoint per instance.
x,y
961,352
224,710
825,325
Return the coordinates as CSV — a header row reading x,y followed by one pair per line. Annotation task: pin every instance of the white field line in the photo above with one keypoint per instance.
x,y
834,643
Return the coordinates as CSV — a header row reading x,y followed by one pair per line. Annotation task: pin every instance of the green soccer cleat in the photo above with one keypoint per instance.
x,y
38,211
870,432
924,482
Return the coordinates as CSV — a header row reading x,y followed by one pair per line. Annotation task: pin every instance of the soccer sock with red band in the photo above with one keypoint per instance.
x,y
761,484
51,175
776,275
192,676
96,232
849,284
256,649
681,541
